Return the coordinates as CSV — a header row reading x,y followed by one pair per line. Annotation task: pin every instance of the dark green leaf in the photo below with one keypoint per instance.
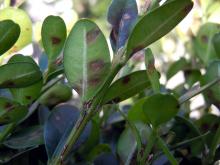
x,y
27,94
160,108
122,15
53,35
86,58
58,126
20,74
97,150
127,86
28,137
9,33
11,111
156,24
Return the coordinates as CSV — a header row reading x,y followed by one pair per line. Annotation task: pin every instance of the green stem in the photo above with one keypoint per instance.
x,y
135,132
214,145
150,144
60,154
166,151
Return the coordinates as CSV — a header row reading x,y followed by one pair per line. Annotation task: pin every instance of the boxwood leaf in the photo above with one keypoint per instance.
x,y
20,74
156,24
9,33
28,137
203,42
122,15
216,42
27,94
86,58
20,17
160,108
53,34
57,94
58,125
11,111
127,86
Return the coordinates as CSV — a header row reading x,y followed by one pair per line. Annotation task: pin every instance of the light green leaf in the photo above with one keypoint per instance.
x,y
86,58
156,24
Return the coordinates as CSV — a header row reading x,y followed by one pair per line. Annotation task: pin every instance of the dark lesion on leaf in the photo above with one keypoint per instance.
x,y
136,49
93,81
28,97
8,106
8,83
92,35
96,65
55,40
126,80
204,38
188,8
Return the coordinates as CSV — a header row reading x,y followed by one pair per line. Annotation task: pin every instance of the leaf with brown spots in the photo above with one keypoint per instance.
x,y
127,87
11,111
86,58
156,24
53,35
203,43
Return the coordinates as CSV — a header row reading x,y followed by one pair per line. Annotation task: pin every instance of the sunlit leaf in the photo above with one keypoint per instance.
x,y
156,24
86,58
9,33
11,111
53,35
160,108
127,86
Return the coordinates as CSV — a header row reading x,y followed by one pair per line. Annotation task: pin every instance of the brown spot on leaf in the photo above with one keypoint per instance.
x,y
8,106
204,38
94,81
92,35
55,40
96,65
136,49
188,8
28,97
126,79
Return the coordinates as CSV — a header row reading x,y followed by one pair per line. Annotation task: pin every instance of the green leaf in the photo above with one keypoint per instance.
x,y
28,137
160,108
156,24
216,42
213,72
27,94
11,111
53,35
86,58
136,113
152,73
203,43
57,94
127,86
177,66
97,150
20,74
20,17
9,33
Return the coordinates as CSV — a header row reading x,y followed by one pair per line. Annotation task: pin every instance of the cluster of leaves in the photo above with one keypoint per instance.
x,y
41,122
